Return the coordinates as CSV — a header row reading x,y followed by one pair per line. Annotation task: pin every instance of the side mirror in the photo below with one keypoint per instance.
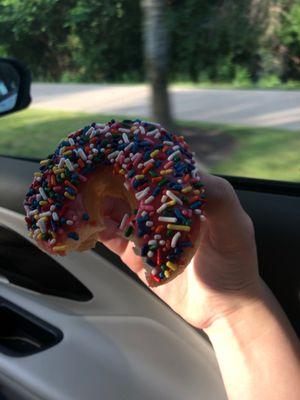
x,y
15,82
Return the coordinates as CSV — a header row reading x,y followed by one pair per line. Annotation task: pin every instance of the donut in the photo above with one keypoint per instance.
x,y
151,177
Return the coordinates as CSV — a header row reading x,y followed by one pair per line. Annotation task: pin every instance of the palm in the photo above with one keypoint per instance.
x,y
174,293
189,293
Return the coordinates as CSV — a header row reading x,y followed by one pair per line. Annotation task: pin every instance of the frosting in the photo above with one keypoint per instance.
x,y
155,165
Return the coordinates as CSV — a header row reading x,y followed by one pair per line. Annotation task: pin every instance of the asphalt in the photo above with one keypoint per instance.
x,y
269,108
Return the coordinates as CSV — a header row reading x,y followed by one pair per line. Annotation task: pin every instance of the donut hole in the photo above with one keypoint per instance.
x,y
106,201
113,208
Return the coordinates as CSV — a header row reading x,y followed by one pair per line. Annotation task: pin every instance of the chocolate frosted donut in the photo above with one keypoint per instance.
x,y
148,171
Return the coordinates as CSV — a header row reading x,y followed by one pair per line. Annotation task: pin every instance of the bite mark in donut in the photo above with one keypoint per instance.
x,y
150,174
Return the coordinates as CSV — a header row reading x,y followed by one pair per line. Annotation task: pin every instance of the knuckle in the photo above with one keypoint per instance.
x,y
249,226
224,189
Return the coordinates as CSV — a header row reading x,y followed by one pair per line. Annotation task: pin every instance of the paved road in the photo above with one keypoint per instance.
x,y
275,108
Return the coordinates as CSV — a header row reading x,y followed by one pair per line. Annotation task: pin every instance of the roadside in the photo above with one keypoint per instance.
x,y
232,150
276,108
264,84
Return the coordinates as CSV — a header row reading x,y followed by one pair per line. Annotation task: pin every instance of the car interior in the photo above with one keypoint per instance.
x,y
85,327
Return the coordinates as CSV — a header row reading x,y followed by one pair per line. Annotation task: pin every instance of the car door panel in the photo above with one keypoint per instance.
x,y
112,344
118,337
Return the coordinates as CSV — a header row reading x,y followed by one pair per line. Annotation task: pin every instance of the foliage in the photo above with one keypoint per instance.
x,y
101,40
109,46
242,77
36,31
290,38
213,37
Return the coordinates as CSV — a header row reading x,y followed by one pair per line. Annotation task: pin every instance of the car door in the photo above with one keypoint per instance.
x,y
80,327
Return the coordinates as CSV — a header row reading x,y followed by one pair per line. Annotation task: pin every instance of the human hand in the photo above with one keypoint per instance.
x,y
222,275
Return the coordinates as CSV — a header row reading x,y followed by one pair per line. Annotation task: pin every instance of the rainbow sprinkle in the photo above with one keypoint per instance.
x,y
157,167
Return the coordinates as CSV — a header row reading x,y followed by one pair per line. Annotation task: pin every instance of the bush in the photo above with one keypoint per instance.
x,y
290,39
101,40
109,39
36,31
242,77
269,81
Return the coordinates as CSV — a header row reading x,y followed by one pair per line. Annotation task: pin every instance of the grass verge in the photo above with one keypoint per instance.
x,y
257,152
291,85
266,153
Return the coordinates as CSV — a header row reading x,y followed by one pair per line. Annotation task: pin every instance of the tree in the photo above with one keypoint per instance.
x,y
102,41
290,38
108,40
214,40
156,45
36,31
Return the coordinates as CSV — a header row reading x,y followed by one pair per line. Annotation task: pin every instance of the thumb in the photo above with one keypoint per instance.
x,y
227,221
125,250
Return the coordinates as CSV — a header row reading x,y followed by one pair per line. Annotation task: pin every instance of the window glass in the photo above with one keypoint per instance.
x,y
224,73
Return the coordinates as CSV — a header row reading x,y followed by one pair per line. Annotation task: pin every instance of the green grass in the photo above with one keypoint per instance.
x,y
258,152
35,133
263,85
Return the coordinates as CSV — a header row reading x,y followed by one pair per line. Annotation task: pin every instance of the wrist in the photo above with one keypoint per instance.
x,y
255,345
232,308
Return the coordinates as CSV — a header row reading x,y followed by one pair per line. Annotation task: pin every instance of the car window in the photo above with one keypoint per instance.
x,y
224,73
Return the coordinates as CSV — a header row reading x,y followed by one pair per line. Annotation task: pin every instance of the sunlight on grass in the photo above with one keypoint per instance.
x,y
35,133
263,85
258,152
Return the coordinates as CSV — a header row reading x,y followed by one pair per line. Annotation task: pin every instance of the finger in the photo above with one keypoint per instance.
x,y
114,208
226,218
111,237
125,250
134,261
116,244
